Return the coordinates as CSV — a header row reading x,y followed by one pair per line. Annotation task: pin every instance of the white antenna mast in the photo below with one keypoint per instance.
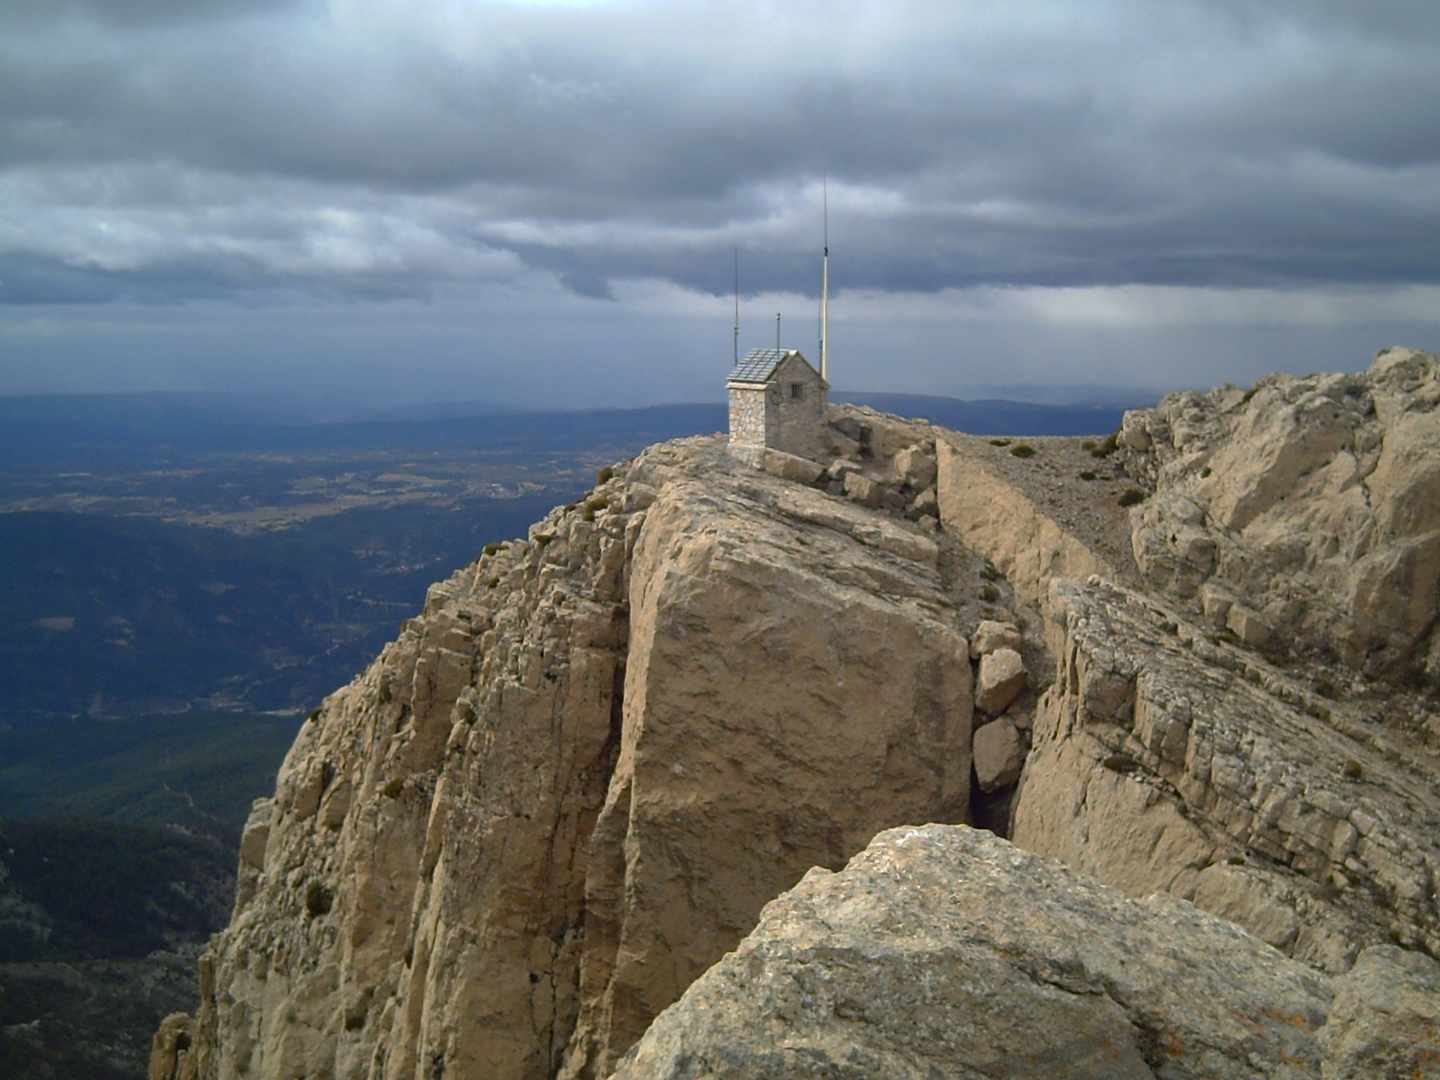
x,y
737,304
825,291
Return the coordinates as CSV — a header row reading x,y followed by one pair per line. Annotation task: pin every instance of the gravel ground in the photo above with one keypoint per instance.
x,y
1080,492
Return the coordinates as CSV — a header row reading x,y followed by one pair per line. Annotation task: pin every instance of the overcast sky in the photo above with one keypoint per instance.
x,y
440,199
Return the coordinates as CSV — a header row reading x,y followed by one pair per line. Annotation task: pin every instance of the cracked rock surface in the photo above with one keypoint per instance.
x,y
1303,514
573,781
1167,760
945,951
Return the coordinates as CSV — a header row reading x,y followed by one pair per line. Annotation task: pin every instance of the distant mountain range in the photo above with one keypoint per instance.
x,y
108,430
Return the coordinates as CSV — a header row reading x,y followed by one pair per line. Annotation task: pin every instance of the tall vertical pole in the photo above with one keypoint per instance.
x,y
737,304
825,291
777,330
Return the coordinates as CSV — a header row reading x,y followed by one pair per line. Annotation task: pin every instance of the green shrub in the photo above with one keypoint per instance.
x,y
491,549
1110,444
1205,473
597,503
1001,442
313,717
541,539
1087,475
605,475
989,593
1353,770
384,694
988,571
1024,450
393,788
1131,496
587,514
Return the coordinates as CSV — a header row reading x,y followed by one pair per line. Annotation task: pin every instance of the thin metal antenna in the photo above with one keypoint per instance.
x,y
825,290
777,329
737,303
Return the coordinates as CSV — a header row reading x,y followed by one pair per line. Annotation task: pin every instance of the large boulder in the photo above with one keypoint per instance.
x,y
944,951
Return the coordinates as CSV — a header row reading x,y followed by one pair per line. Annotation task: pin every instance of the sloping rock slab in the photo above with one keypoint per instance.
x,y
945,951
1165,760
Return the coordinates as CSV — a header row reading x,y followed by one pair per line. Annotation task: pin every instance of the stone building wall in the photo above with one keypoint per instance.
x,y
797,423
770,416
747,417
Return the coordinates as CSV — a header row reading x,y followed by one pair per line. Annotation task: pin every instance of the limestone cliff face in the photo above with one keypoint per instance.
x,y
571,784
1194,740
1304,514
1167,761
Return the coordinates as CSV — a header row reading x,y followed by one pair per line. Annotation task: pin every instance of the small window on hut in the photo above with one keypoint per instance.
x,y
797,391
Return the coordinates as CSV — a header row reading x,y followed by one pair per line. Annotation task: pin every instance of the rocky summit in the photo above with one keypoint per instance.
x,y
678,785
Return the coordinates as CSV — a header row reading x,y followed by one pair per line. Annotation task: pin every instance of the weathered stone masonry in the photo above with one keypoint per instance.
x,y
777,401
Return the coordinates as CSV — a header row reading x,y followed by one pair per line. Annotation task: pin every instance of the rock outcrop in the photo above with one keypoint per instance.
x,y
1180,746
1168,760
572,784
573,781
944,951
1302,515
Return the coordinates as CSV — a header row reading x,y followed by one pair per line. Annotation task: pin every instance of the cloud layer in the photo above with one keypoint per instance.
x,y
1196,164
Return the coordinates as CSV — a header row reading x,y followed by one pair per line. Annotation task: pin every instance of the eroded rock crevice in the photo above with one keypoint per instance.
x,y
592,758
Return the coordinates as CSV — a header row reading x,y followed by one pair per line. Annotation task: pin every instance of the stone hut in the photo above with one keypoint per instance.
x,y
777,401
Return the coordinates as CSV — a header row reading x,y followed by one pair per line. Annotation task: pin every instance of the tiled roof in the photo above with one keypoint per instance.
x,y
757,365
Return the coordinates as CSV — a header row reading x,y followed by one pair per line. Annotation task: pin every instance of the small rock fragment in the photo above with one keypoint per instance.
x,y
991,635
1002,677
915,468
998,755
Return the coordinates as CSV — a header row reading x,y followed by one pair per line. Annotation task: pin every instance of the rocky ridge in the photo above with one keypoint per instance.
x,y
573,781
572,784
1301,515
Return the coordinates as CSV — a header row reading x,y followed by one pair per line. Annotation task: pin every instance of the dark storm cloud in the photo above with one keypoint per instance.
x,y
1205,143
134,13
30,279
